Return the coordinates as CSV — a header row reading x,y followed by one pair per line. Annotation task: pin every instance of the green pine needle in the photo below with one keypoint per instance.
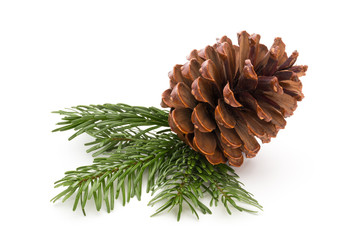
x,y
135,144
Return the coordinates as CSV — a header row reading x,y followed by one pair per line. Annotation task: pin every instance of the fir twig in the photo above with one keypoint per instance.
x,y
111,124
187,175
136,142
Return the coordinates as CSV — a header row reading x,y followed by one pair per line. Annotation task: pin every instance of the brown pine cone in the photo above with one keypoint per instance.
x,y
226,95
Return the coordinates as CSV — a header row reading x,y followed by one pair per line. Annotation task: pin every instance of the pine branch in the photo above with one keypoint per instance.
x,y
134,141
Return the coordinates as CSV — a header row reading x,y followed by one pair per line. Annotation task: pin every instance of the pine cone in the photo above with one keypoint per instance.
x,y
226,95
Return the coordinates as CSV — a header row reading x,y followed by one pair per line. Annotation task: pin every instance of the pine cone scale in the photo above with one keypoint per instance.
x,y
289,61
229,137
269,83
201,118
244,48
250,145
181,117
216,158
229,97
181,96
223,117
205,142
254,47
210,72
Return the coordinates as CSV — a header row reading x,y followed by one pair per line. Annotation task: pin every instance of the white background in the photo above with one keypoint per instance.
x,y
57,54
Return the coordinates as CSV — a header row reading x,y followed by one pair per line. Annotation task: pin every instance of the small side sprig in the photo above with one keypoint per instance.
x,y
111,124
187,177
120,174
